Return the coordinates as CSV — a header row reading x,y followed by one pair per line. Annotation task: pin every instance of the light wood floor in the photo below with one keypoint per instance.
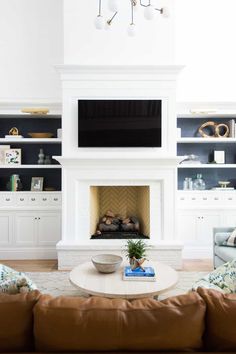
x,y
189,265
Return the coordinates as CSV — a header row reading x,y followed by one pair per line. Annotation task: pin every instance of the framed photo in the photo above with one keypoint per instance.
x,y
36,184
2,153
12,156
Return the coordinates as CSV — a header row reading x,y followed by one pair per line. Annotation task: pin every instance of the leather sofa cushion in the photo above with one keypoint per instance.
x,y
16,321
99,324
220,320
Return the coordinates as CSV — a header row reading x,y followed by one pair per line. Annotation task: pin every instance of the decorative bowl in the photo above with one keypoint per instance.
x,y
40,135
106,263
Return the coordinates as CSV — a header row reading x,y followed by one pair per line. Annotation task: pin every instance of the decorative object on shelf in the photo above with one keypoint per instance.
x,y
47,160
199,183
135,252
231,125
219,156
217,130
37,184
2,153
41,157
40,135
149,13
107,263
14,185
49,189
188,184
224,184
12,156
190,159
13,134
59,133
38,110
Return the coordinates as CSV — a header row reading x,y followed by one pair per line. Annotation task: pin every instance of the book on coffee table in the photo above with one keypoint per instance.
x,y
138,274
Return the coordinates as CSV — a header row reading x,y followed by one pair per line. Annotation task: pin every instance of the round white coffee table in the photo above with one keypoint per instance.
x,y
87,279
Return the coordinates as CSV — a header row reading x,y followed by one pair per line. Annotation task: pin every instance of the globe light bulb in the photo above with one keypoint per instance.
x,y
131,30
113,5
165,11
99,22
149,13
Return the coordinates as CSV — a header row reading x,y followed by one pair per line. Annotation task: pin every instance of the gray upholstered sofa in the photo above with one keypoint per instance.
x,y
222,254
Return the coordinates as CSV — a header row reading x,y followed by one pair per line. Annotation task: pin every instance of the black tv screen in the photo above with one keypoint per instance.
x,y
119,123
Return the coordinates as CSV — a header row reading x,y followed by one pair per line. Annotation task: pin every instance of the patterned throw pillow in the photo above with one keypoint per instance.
x,y
231,240
222,279
13,282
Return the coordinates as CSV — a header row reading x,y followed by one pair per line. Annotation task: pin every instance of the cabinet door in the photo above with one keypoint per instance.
x,y
49,228
187,227
206,223
229,219
6,229
25,229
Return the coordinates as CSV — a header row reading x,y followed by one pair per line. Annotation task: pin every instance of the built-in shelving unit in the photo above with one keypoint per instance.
x,y
29,167
191,143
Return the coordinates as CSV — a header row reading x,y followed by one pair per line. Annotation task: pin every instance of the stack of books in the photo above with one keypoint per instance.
x,y
148,274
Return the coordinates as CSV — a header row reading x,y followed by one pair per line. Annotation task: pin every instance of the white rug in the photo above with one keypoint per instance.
x,y
57,283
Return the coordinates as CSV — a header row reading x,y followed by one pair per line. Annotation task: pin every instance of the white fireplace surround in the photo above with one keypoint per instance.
x,y
85,167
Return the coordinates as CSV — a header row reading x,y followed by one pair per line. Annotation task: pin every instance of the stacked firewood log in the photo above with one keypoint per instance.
x,y
111,222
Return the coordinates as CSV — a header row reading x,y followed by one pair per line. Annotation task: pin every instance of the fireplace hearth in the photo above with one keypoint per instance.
x,y
119,235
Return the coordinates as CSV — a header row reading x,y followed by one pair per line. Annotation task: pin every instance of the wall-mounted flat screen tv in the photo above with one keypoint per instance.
x,y
119,123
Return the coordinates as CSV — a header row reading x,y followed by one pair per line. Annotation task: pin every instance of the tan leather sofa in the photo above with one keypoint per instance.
x,y
198,321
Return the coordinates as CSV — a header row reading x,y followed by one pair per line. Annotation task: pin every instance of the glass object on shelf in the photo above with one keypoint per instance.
x,y
41,157
187,184
47,160
199,183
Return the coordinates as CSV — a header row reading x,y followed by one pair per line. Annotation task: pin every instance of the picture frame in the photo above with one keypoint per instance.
x,y
2,153
12,156
37,184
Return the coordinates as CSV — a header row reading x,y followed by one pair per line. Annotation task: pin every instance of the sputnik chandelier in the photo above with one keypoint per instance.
x,y
149,13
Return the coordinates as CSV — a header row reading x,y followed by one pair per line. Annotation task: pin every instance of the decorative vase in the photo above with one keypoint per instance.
x,y
47,160
41,157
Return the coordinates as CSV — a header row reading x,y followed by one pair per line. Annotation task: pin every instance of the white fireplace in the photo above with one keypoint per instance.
x,y
148,174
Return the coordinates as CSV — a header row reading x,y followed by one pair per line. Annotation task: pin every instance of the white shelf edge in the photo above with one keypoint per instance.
x,y
207,165
30,166
31,140
205,140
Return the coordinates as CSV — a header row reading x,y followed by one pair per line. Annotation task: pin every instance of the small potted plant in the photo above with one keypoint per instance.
x,y
135,252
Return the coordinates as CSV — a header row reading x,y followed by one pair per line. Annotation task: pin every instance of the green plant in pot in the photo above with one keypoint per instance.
x,y
135,252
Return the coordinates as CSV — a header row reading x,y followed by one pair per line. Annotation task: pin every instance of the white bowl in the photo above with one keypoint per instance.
x,y
107,263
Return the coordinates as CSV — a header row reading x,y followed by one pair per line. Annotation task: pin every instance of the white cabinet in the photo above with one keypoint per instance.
x,y
30,225
49,228
196,227
38,229
25,229
5,229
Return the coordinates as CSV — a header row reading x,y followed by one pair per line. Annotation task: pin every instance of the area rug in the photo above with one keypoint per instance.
x,y
57,283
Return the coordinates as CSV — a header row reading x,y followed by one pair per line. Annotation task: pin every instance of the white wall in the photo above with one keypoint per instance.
x,y
86,45
31,42
205,43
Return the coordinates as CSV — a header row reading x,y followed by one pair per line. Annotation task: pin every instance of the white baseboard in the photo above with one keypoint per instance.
x,y
28,253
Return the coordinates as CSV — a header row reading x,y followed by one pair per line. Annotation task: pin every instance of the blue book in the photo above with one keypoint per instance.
x,y
138,272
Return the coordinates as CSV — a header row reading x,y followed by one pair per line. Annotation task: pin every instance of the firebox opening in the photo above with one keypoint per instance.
x,y
119,212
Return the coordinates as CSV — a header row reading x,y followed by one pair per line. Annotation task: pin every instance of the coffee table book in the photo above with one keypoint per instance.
x,y
139,274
